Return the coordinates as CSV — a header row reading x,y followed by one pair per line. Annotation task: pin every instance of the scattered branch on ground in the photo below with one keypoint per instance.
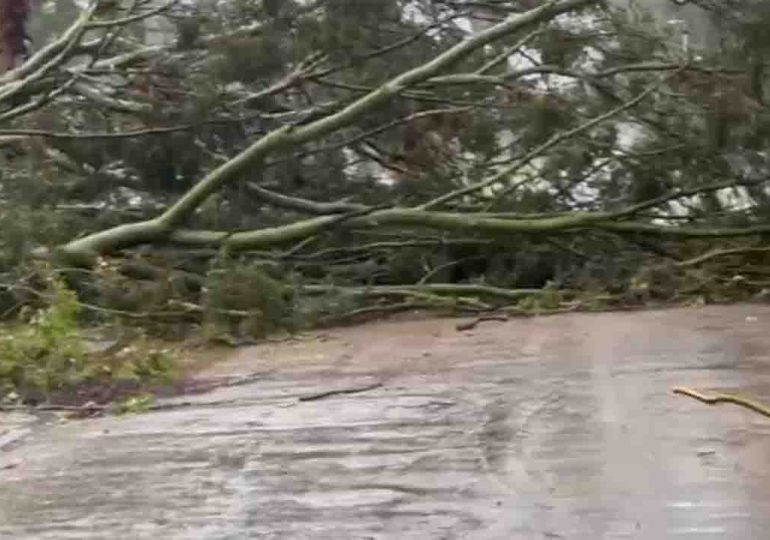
x,y
724,398
342,391
470,325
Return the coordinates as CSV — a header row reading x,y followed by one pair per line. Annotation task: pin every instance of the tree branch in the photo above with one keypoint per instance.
x,y
291,136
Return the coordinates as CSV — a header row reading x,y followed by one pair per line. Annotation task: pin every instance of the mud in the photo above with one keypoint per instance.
x,y
560,427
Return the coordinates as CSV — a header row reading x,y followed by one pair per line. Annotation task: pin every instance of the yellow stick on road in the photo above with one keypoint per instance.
x,y
724,398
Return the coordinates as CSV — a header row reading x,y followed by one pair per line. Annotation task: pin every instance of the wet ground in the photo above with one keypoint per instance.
x,y
559,427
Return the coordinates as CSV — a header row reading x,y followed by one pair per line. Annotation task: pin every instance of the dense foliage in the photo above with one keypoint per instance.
x,y
252,165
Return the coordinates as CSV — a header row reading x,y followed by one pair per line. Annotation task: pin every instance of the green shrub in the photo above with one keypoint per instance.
x,y
47,353
47,356
140,363
548,299
313,310
242,299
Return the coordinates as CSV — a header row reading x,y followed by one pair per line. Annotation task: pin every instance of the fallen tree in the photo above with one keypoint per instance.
x,y
569,136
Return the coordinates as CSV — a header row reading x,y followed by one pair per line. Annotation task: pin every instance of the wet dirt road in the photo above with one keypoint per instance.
x,y
560,427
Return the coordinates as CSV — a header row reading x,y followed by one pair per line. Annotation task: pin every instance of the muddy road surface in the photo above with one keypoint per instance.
x,y
559,427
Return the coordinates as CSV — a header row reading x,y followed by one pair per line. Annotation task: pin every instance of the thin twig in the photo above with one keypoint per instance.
x,y
724,398
720,253
539,150
329,393
470,325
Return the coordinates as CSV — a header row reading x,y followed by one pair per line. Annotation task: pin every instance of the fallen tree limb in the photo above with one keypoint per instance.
x,y
127,235
724,398
377,310
683,232
428,288
695,261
